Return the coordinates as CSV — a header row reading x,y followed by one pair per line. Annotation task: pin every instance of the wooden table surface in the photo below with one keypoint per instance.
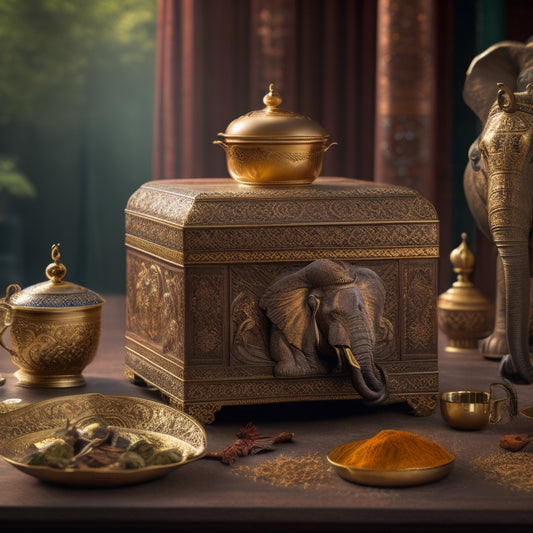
x,y
207,495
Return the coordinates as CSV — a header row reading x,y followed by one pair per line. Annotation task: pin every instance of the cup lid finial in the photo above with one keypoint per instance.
x,y
56,271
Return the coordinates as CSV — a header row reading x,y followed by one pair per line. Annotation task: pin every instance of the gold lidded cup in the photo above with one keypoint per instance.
x,y
55,328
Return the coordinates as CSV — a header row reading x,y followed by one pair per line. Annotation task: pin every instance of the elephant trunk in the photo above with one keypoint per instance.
x,y
366,377
516,366
365,382
352,338
509,215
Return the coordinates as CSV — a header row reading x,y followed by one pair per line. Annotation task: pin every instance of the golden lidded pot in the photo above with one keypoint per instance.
x,y
464,314
272,146
55,328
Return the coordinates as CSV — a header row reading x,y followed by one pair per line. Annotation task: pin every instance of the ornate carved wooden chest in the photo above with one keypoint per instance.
x,y
201,254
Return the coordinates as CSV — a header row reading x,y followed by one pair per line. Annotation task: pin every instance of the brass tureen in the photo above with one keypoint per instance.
x,y
272,146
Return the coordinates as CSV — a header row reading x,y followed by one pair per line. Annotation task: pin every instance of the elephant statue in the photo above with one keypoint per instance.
x,y
498,185
328,317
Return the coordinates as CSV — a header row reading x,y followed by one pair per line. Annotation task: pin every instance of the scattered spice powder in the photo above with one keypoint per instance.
x,y
510,469
303,471
393,449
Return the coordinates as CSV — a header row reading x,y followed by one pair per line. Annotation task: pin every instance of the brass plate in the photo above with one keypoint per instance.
x,y
164,425
389,478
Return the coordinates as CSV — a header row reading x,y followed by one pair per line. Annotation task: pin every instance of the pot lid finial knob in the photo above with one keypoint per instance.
x,y
272,99
56,271
462,259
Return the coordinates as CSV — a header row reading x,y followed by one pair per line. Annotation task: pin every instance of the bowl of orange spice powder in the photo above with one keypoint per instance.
x,y
392,458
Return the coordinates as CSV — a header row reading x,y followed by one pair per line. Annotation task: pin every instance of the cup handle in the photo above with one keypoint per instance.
x,y
7,319
7,315
497,403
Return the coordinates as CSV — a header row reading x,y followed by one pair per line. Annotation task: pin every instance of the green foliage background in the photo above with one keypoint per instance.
x,y
76,111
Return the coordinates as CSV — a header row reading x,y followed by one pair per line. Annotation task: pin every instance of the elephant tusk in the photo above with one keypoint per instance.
x,y
373,395
351,357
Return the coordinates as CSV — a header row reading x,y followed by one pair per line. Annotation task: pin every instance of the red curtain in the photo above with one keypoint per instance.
x,y
216,58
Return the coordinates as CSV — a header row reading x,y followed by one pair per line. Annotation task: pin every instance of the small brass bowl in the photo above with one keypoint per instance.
x,y
388,478
135,418
274,147
473,409
468,410
55,329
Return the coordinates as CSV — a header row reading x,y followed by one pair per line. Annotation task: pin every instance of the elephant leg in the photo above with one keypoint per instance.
x,y
290,361
495,346
281,353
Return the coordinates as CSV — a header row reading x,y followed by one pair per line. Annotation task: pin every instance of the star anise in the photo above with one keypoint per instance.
x,y
248,442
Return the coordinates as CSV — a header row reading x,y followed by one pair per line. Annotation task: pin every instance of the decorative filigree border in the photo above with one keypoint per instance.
x,y
178,257
415,379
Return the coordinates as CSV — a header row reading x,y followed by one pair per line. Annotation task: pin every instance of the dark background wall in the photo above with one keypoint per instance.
x,y
76,112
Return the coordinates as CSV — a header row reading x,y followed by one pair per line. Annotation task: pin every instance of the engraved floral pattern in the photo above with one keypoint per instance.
x,y
225,203
155,303
420,310
55,347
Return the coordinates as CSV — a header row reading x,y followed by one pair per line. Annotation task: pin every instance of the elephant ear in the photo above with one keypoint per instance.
x,y
285,301
507,62
285,304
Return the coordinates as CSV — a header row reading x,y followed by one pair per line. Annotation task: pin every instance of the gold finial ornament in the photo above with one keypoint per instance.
x,y
464,314
56,271
272,99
